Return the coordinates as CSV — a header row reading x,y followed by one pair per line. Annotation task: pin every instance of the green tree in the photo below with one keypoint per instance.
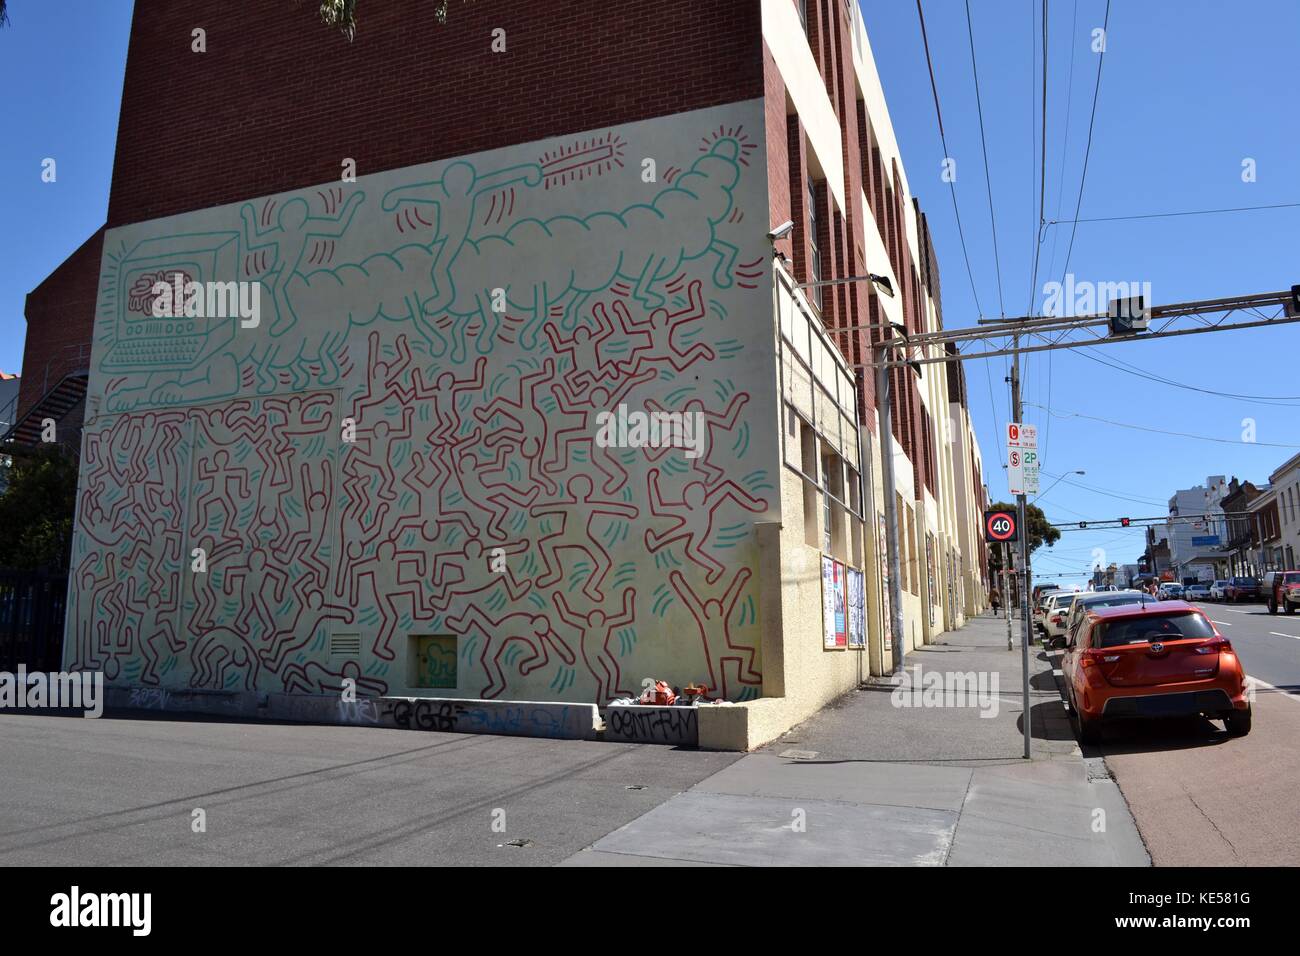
x,y
36,509
342,14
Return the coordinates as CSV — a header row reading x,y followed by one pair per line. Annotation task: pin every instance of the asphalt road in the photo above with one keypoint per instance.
x,y
1202,798
1269,644
122,791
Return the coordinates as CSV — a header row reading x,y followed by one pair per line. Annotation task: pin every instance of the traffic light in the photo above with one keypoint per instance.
x,y
1123,522
1129,316
1293,304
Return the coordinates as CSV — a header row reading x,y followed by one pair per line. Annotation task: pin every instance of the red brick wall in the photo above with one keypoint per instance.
x,y
60,321
841,240
278,101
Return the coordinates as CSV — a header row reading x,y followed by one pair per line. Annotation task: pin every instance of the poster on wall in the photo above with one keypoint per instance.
x,y
856,589
834,618
888,628
929,574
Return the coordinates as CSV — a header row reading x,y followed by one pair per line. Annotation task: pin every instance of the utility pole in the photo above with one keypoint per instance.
x,y
1006,588
1017,413
985,339
891,511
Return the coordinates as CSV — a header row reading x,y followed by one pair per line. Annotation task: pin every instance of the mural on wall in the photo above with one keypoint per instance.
x,y
508,418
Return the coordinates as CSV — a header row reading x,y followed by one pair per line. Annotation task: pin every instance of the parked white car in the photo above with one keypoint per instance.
x,y
1085,602
1196,592
1219,590
1171,591
1057,614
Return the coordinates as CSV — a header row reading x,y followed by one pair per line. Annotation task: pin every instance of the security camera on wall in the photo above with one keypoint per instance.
x,y
781,231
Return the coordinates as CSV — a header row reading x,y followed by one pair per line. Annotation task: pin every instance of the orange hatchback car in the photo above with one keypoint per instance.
x,y
1158,659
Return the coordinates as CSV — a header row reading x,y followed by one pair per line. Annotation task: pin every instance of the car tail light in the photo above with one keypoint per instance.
x,y
1215,645
1096,659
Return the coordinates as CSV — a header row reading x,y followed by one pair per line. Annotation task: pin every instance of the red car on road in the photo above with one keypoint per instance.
x,y
1282,591
1158,659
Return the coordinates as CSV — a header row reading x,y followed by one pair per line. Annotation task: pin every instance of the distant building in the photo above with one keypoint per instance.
x,y
1241,533
1197,531
1265,552
1286,484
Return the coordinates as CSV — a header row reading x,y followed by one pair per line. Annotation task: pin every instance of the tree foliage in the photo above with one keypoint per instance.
x,y
342,14
36,509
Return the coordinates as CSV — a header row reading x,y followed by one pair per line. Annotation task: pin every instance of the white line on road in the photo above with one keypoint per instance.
x,y
1221,623
1280,634
1284,693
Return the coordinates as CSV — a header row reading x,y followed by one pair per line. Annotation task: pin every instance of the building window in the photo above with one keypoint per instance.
x,y
811,482
814,254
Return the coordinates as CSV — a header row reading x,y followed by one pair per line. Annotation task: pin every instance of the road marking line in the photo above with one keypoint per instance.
x,y
1280,634
1221,623
1284,693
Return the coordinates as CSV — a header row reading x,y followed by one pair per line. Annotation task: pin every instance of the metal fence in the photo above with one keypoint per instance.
x,y
32,607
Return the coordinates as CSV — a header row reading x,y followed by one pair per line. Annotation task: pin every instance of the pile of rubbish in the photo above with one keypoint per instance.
x,y
660,693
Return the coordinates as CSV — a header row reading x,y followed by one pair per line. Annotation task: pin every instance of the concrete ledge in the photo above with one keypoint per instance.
x,y
232,703
643,724
516,718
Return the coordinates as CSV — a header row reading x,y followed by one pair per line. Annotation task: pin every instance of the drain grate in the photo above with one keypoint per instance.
x,y
798,754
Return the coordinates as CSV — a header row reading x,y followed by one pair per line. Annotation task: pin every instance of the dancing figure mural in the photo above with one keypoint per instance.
x,y
405,456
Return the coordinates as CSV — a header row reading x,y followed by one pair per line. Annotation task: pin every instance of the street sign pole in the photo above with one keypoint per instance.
x,y
1017,413
1006,589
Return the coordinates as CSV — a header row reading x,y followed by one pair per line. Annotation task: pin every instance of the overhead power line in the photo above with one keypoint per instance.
x,y
1083,178
1284,401
1087,150
988,183
970,275
934,89
1170,215
1160,431
1108,492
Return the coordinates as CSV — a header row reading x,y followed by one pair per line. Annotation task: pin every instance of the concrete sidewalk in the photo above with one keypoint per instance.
x,y
866,782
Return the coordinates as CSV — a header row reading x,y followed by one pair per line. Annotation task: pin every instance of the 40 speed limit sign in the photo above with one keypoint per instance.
x,y
1000,526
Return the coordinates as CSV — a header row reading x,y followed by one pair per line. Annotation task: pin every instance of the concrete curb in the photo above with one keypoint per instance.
x,y
643,724
515,718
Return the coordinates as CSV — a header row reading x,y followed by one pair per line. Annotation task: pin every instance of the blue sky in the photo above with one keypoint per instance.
x,y
61,63
1189,89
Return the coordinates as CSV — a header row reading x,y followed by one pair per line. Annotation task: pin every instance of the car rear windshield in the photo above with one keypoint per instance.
x,y
1151,628
1291,579
1117,601
1245,582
